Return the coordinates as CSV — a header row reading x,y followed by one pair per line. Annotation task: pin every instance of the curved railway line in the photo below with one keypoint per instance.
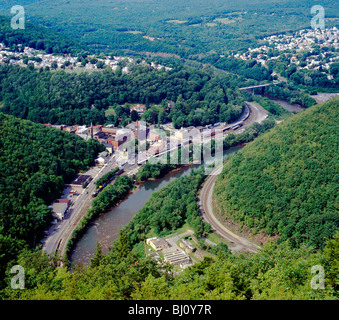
x,y
206,210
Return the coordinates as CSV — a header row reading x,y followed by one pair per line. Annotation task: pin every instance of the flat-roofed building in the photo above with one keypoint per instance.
x,y
158,244
100,161
58,210
177,258
80,180
110,130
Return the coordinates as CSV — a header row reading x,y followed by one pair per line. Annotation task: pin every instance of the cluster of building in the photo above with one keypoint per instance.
x,y
41,60
114,138
187,245
60,206
155,141
301,41
177,257
304,39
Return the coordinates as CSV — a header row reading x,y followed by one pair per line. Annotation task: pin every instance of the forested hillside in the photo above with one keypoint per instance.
x,y
286,182
179,27
73,98
35,163
35,37
276,272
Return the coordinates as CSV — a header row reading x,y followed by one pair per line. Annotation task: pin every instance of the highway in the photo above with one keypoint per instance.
x,y
60,233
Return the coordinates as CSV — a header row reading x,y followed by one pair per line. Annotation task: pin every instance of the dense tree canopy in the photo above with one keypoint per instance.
x,y
185,28
168,209
35,37
276,272
72,98
36,162
286,181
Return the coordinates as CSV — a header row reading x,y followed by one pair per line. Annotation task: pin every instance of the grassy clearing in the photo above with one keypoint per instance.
x,y
133,32
177,21
109,111
227,20
214,237
183,229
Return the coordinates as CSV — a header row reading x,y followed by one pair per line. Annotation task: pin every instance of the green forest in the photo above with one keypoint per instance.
x,y
168,209
276,272
248,69
72,98
280,270
285,183
183,28
36,162
39,38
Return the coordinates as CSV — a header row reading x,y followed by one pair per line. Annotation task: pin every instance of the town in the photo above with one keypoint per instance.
x,y
153,144
320,48
152,141
37,59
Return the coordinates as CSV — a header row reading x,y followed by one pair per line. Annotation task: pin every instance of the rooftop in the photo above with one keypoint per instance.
x,y
58,207
80,179
159,242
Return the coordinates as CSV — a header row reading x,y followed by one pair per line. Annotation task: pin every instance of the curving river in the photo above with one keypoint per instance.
x,y
105,229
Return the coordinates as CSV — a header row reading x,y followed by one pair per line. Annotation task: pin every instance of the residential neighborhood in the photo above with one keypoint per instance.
x,y
39,59
316,42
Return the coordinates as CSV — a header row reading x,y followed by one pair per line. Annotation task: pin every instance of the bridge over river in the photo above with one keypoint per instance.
x,y
260,86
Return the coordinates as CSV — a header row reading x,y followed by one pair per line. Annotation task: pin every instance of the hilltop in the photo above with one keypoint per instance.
x,y
36,37
285,183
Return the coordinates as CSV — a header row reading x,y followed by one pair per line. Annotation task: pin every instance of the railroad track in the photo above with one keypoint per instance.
x,y
206,210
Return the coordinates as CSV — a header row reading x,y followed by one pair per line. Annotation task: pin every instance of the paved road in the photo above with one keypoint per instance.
x,y
60,233
258,113
173,240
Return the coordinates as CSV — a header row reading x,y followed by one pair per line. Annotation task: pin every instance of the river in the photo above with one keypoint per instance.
x,y
286,105
105,229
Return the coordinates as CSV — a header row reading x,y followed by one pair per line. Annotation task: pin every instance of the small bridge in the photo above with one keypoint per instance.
x,y
260,86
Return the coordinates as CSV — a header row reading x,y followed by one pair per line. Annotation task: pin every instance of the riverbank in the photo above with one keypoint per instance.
x,y
111,196
105,229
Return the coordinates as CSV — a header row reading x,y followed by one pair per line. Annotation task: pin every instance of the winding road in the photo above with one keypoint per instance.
x,y
60,233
